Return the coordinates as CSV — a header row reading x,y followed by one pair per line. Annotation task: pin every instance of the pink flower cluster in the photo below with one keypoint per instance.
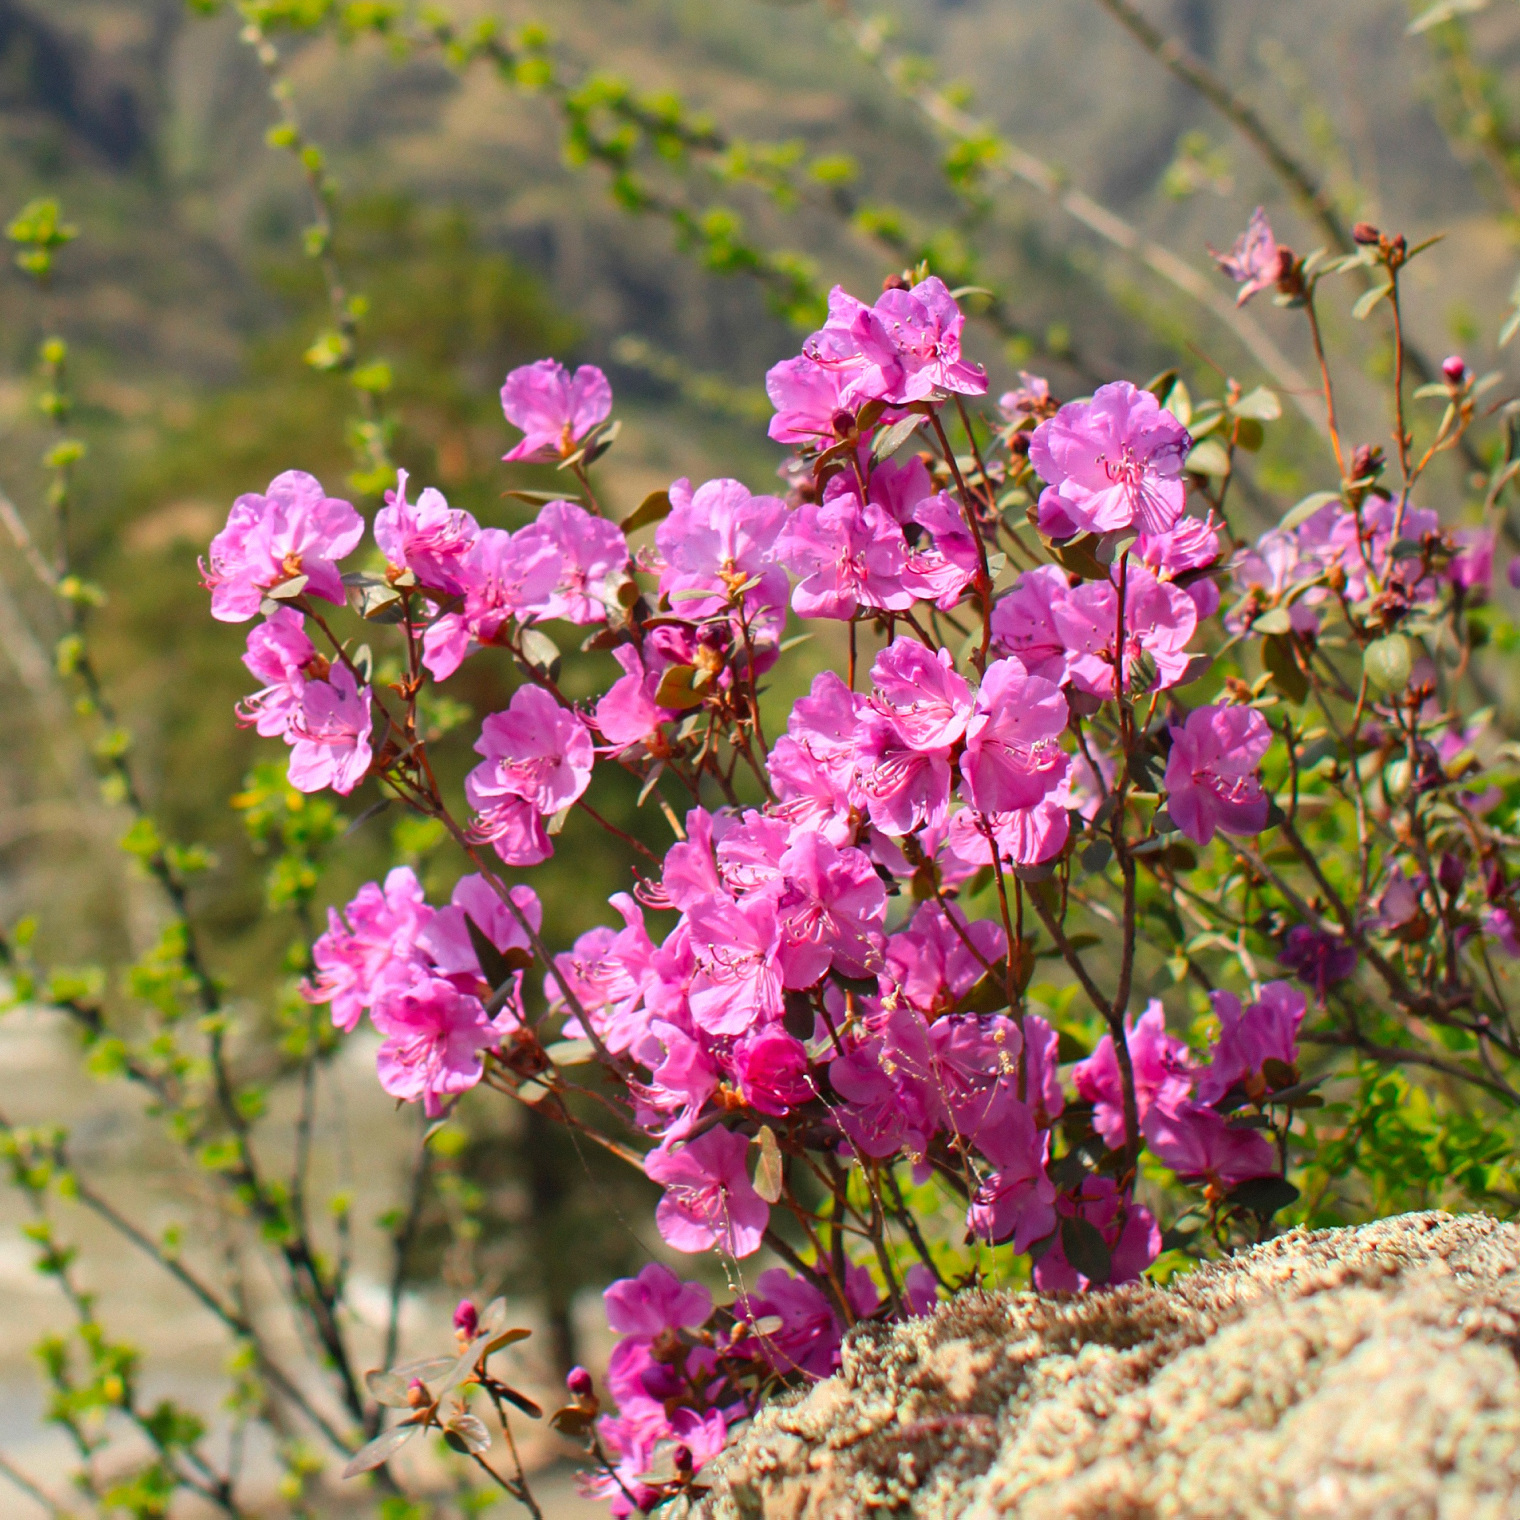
x,y
416,971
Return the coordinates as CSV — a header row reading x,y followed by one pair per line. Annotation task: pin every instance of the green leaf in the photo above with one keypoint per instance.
x,y
1273,620
540,652
466,1433
1306,509
1277,655
655,507
1208,458
768,1171
1249,435
676,689
1261,405
1388,662
885,444
1363,308
1263,1195
570,1052
1085,1248
367,1458
1446,10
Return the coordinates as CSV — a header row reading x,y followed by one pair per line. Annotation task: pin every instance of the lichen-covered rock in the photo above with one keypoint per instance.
x,y
1366,1372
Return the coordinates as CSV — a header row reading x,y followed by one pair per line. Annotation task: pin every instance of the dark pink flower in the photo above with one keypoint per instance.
x,y
1320,959
627,713
592,558
1016,1203
1211,772
446,938
278,654
1024,837
770,1068
433,1038
902,487
809,1336
1110,463
682,1077
709,1200
1265,1031
1129,1230
812,765
846,554
1013,757
655,1301
554,409
370,947
919,690
1472,567
329,734
830,909
430,538
888,1102
1158,1059
717,538
936,960
941,567
976,1067
1198,1143
293,530
504,576
1255,263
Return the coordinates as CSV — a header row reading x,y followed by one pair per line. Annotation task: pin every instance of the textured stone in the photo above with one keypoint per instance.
x,y
1366,1372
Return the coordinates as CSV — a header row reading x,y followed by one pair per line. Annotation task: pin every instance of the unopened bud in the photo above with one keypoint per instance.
x,y
1450,873
417,1395
466,1319
896,282
681,1460
578,1381
1365,233
1455,369
1367,461
843,423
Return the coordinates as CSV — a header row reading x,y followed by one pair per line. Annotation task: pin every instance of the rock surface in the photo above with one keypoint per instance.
x,y
1366,1372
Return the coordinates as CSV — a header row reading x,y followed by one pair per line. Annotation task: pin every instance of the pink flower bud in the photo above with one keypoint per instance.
x,y
1455,369
417,1395
578,1381
466,1320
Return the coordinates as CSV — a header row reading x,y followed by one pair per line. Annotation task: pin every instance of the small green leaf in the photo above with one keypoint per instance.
x,y
1085,1248
540,652
655,507
676,689
1388,662
769,1176
887,443
367,1458
1277,655
1208,458
1263,1195
1261,405
1306,509
1369,299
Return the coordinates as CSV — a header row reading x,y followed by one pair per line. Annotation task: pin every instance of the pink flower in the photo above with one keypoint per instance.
x,y
329,734
739,979
1024,837
921,693
1159,621
279,654
976,1066
903,488
904,787
431,539
771,1070
1110,463
940,569
1024,622
807,398
1031,399
682,1077
536,751
1191,545
1158,1059
1472,567
1016,1203
830,908
812,765
1211,773
627,713
654,1301
1320,959
1013,757
592,556
717,538
1129,1230
889,1104
293,530
846,554
554,409
931,962
370,947
1255,263
709,1201
1265,1031
504,576
433,1038
447,940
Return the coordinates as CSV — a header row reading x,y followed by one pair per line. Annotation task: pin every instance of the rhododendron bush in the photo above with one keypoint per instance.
x,y
1070,729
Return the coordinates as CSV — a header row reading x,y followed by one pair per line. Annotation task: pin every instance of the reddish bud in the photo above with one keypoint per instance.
x,y
578,1381
1450,873
417,1395
1365,233
1455,369
843,423
1367,462
681,1460
895,282
466,1319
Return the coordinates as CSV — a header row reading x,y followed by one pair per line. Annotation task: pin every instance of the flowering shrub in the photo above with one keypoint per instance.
x,y
1066,713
